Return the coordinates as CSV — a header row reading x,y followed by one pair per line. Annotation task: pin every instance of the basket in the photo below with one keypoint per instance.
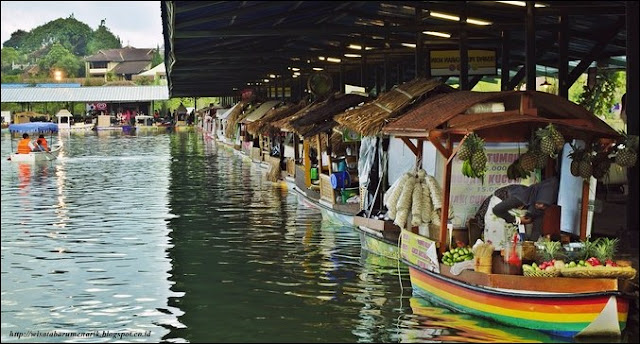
x,y
625,272
542,273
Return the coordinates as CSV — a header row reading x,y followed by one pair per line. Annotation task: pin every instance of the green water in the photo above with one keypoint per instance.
x,y
174,238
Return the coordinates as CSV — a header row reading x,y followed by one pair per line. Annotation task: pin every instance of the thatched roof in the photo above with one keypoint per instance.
x,y
369,118
260,111
237,113
283,111
447,112
320,118
284,124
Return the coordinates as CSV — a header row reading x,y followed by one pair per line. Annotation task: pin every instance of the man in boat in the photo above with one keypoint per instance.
x,y
43,143
535,199
26,146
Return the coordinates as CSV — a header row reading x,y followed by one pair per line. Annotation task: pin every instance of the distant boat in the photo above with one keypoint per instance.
x,y
36,128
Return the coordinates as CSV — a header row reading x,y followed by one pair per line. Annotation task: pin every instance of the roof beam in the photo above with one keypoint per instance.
x,y
228,14
595,52
323,30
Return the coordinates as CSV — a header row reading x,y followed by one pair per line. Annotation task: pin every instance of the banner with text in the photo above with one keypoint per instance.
x,y
467,194
447,62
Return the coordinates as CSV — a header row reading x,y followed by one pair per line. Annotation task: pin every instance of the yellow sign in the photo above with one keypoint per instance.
x,y
419,251
447,62
467,194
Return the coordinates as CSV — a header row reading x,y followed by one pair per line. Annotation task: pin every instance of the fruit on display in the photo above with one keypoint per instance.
x,y
581,162
627,156
515,171
456,255
473,154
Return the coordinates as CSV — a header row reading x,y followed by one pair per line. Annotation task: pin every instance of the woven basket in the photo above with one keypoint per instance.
x,y
600,272
542,273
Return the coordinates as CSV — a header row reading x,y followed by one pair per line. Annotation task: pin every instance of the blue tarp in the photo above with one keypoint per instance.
x,y
34,127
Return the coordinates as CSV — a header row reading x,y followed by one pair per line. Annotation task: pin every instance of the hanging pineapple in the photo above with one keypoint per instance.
x,y
547,145
581,162
556,136
628,156
601,161
467,148
528,161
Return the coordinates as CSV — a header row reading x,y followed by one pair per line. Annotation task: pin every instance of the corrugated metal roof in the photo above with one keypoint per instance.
x,y
85,94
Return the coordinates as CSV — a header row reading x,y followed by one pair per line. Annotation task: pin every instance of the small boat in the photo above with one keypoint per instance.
x,y
36,128
64,123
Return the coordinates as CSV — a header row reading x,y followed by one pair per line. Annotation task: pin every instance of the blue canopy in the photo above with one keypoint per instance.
x,y
34,127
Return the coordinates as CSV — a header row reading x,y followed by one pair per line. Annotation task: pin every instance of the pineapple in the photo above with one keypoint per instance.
x,y
601,164
551,251
528,161
605,249
588,249
557,138
547,146
575,168
464,153
541,159
479,161
626,157
585,170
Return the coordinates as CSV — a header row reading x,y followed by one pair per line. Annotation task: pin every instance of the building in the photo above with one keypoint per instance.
x,y
157,74
122,63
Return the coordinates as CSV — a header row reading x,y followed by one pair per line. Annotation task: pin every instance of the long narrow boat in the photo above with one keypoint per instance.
x,y
336,213
561,306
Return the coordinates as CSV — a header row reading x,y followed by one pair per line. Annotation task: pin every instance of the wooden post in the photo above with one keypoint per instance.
x,y
504,63
319,148
446,191
530,42
328,152
584,211
296,149
307,162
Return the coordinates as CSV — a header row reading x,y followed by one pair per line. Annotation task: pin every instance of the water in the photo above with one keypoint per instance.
x,y
170,238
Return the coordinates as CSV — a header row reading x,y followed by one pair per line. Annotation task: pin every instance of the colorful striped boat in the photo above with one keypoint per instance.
x,y
559,306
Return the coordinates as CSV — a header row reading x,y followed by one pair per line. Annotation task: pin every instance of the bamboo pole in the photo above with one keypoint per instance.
x,y
446,190
307,162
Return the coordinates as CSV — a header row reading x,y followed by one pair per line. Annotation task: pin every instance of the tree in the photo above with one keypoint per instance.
x,y
60,58
16,39
9,57
69,32
156,59
102,38
606,93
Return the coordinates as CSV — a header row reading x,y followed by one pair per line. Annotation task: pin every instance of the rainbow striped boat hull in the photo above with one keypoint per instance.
x,y
514,300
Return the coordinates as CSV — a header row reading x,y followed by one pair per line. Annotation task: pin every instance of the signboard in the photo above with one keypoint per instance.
x,y
447,62
419,251
467,194
96,106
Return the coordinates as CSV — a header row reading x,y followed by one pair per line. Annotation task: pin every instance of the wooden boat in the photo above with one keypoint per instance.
x,y
560,306
36,128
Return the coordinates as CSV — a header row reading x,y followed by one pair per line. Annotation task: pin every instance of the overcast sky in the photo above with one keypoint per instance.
x,y
137,23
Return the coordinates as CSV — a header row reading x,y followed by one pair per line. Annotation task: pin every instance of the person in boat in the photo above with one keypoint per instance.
x,y
535,199
43,143
26,146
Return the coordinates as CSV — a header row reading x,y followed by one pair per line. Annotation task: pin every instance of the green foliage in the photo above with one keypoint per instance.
x,y
156,59
9,56
69,32
60,58
610,86
16,39
102,38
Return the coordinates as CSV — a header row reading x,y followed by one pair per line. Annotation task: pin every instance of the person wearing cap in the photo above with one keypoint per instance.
x,y
535,199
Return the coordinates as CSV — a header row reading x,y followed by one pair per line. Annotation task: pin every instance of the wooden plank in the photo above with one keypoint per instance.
x,y
444,215
541,284
410,144
319,149
436,143
307,162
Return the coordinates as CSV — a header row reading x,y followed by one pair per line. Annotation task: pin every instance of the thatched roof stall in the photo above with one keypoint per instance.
x,y
320,118
234,117
265,124
523,111
369,118
450,117
260,111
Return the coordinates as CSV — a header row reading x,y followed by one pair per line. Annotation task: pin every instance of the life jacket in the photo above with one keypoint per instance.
x,y
23,146
43,143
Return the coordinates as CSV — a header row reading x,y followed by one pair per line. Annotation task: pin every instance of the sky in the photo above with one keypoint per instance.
x,y
137,23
